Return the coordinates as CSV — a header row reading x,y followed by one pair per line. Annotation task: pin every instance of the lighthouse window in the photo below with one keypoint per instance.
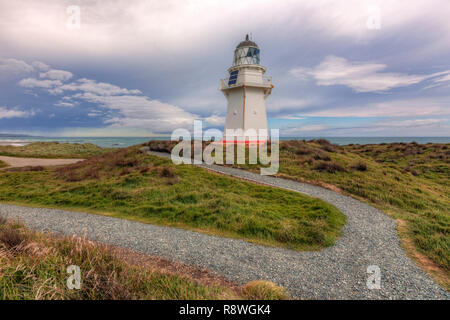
x,y
246,55
233,77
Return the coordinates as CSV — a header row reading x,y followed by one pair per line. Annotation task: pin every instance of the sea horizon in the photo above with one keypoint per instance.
x,y
121,142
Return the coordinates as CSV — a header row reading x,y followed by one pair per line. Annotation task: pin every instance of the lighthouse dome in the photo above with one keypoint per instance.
x,y
247,52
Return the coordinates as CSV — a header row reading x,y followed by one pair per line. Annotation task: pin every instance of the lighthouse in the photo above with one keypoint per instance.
x,y
246,90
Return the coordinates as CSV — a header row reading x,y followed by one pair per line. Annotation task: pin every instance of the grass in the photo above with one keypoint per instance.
x,y
33,267
408,181
53,150
130,184
2,164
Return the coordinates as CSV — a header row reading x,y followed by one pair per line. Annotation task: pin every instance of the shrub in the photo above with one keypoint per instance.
x,y
330,166
303,150
11,237
360,166
167,172
26,169
320,155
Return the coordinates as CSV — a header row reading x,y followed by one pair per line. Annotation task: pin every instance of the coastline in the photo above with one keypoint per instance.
x,y
123,142
14,143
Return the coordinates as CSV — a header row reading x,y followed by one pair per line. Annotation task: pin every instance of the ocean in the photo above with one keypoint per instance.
x,y
120,142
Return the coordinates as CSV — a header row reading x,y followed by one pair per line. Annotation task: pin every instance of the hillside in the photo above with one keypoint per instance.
x,y
52,150
130,184
408,181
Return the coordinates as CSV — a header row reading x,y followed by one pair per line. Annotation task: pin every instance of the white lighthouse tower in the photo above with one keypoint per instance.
x,y
246,90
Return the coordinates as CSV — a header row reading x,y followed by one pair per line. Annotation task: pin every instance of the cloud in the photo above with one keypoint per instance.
x,y
35,83
92,86
215,120
56,75
395,108
38,65
14,66
66,104
129,108
175,59
288,107
384,128
443,79
11,66
360,76
289,117
414,123
405,127
301,130
140,112
111,25
6,113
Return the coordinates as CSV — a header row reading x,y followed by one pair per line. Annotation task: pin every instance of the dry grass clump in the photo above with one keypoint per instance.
x,y
360,166
326,145
265,290
33,266
25,169
10,236
121,162
330,166
317,149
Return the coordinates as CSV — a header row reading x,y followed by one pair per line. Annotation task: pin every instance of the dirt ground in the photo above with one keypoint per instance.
x,y
14,162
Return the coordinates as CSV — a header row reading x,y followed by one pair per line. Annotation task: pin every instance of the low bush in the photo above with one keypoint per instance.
x,y
330,166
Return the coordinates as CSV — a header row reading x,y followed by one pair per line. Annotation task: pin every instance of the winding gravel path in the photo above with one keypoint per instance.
x,y
339,272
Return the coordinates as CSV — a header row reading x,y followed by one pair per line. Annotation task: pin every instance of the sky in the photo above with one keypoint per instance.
x,y
145,68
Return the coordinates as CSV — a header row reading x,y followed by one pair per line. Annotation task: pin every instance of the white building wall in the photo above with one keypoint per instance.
x,y
250,88
234,110
255,109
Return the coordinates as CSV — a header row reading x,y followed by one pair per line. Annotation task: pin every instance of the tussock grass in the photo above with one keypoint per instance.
x,y
33,266
265,290
52,150
130,184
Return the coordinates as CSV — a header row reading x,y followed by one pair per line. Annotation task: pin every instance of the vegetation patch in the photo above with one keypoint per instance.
x,y
33,266
264,290
408,181
53,150
128,183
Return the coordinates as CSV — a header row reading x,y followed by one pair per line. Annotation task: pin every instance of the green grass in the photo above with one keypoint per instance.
x,y
130,184
33,267
53,150
410,182
411,188
2,164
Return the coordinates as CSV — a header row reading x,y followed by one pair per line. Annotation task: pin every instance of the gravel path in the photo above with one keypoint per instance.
x,y
24,162
339,272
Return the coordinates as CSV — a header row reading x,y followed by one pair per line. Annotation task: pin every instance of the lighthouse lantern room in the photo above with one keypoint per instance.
x,y
246,90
